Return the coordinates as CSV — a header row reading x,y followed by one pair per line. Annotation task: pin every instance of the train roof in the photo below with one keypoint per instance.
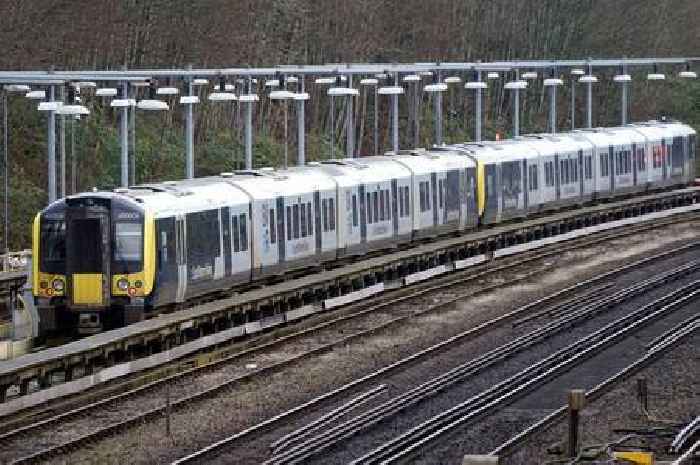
x,y
353,171
270,183
423,161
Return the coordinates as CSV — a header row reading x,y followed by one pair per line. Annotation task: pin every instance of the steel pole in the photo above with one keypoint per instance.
x,y
124,136
573,103
478,110
623,110
553,109
416,115
189,133
6,229
132,151
249,129
331,136
51,147
62,147
395,117
249,135
376,119
350,124
286,137
438,115
301,156
589,100
73,161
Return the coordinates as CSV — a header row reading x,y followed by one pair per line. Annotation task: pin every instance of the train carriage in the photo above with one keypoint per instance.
x,y
442,194
502,179
104,259
294,217
374,196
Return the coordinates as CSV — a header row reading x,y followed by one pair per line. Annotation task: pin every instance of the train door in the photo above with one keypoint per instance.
x,y
434,189
281,234
181,246
226,235
581,171
634,164
168,277
557,176
394,206
363,214
611,167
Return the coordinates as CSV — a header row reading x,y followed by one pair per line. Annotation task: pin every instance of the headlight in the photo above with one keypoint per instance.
x,y
57,285
123,284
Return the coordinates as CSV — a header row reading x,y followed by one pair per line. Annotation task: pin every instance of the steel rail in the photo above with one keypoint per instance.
x,y
508,447
443,282
185,401
433,386
212,448
533,376
191,314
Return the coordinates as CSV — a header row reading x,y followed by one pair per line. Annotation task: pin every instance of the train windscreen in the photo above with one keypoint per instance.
x,y
53,246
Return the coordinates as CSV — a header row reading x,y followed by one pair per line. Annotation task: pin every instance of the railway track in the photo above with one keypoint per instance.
x,y
97,355
227,353
145,414
331,437
506,392
245,436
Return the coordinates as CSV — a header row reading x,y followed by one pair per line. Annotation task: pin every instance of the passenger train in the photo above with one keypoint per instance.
x,y
104,259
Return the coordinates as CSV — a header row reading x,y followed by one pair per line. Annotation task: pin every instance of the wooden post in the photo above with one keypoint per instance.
x,y
643,394
577,400
168,409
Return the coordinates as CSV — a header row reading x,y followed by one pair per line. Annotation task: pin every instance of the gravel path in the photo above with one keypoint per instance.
x,y
252,402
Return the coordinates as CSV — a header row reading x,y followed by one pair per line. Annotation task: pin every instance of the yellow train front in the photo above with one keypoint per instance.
x,y
93,265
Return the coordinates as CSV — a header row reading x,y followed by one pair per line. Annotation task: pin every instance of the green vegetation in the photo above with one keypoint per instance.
x,y
210,33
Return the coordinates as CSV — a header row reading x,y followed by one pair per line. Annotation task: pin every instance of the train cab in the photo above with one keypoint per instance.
x,y
93,265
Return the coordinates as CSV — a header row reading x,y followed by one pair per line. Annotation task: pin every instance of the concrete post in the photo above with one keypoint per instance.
x,y
577,401
589,100
376,119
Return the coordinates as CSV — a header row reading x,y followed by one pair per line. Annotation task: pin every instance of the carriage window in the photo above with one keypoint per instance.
x,y
375,203
244,232
407,200
303,220
368,207
589,167
641,160
401,202
295,219
273,227
388,204
354,209
604,165
289,223
236,235
382,209
309,219
331,214
574,171
440,197
324,209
